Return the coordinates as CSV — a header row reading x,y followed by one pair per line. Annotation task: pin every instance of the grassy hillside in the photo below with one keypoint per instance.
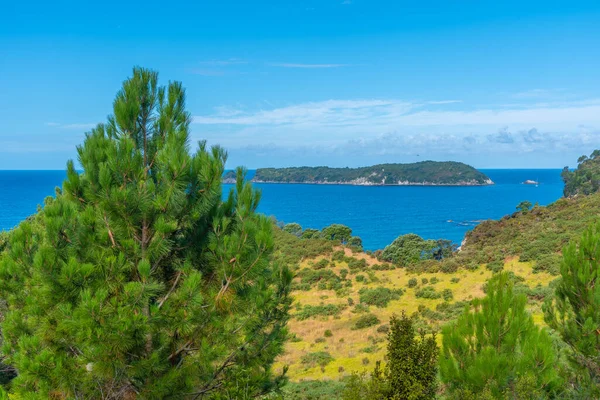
x,y
343,299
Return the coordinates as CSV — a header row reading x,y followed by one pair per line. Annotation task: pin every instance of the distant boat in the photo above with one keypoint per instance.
x,y
530,182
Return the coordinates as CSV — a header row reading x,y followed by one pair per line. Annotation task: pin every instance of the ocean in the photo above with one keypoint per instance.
x,y
378,214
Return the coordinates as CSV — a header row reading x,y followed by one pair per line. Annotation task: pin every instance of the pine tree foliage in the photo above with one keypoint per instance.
x,y
496,351
411,369
138,280
575,311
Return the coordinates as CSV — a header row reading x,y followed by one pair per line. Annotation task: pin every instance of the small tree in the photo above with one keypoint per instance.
x,y
411,369
575,310
337,232
524,206
293,228
138,280
497,349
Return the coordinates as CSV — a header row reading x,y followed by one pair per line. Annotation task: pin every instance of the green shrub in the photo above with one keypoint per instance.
x,y
427,292
320,358
495,266
343,273
360,278
350,301
455,279
321,264
383,329
328,333
412,282
379,297
338,255
424,281
434,280
447,294
549,263
356,264
311,390
322,310
365,321
360,308
320,340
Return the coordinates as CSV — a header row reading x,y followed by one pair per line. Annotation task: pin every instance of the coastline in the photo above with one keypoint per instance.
x,y
351,183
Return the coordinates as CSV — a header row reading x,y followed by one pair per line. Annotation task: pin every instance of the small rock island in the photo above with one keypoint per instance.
x,y
424,173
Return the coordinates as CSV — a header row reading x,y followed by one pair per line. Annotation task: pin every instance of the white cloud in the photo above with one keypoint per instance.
x,y
380,128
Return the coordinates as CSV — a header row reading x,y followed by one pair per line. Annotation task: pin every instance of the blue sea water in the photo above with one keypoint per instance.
x,y
378,214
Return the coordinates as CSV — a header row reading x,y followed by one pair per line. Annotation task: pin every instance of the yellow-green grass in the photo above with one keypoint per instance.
x,y
345,344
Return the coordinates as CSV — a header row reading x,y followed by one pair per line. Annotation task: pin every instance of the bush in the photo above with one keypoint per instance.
x,y
412,282
383,329
360,278
356,264
343,273
424,281
379,297
365,321
350,301
360,308
549,263
434,280
313,390
338,255
320,358
328,333
308,311
495,266
455,280
427,292
321,264
320,340
447,294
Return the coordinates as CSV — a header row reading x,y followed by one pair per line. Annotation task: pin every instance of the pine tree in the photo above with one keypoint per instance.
x,y
575,310
411,369
496,351
138,280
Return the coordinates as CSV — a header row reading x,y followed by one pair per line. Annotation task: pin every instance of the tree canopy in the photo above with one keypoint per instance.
x,y
497,350
575,310
138,280
410,248
586,178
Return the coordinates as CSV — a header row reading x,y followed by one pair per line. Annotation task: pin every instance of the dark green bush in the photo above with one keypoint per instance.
x,y
434,280
447,294
412,282
321,264
383,329
427,292
365,321
322,310
379,297
320,358
495,266
328,333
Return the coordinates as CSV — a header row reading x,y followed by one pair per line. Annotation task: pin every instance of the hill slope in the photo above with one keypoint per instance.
x,y
343,300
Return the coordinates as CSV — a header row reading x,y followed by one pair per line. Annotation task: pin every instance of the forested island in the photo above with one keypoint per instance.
x,y
424,173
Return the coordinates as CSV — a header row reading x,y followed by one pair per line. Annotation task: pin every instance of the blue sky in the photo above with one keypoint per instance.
x,y
329,82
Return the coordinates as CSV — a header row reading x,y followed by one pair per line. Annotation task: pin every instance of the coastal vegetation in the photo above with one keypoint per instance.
x,y
586,178
420,173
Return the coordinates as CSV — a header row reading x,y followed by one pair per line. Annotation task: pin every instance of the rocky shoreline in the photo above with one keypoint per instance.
x,y
367,183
